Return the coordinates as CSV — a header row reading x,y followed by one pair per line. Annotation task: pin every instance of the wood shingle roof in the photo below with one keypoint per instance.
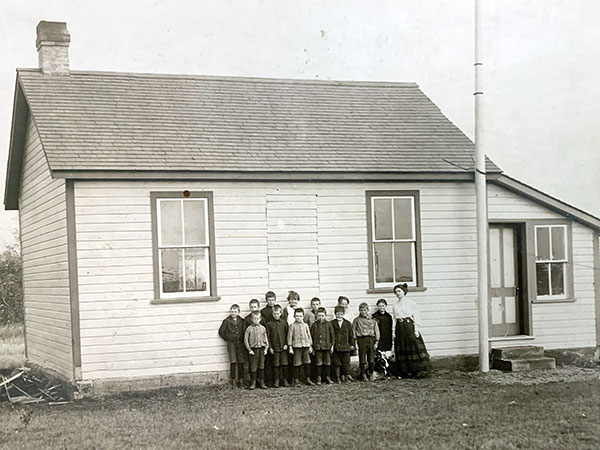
x,y
99,121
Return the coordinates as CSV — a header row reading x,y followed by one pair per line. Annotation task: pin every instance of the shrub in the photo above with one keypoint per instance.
x,y
11,291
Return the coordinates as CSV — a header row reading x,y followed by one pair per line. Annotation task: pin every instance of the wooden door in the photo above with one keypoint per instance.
x,y
505,299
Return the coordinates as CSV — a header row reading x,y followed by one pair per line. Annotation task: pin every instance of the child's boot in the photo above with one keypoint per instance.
x,y
336,371
307,375
318,381
363,372
261,379
277,374
326,377
284,375
252,380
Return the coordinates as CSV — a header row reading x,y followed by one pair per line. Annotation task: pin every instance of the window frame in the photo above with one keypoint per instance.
x,y
551,261
183,297
375,288
532,262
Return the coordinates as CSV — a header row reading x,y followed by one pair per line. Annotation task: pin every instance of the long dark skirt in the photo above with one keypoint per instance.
x,y
412,359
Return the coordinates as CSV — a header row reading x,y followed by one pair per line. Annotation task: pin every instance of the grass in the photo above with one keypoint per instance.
x,y
12,347
448,411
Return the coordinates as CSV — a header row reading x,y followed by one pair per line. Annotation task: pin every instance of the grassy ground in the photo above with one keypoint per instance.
x,y
448,411
12,347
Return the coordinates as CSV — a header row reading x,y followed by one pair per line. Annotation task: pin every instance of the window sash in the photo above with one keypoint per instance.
x,y
563,261
412,240
185,293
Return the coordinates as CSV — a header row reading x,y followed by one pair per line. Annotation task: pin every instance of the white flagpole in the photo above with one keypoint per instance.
x,y
481,205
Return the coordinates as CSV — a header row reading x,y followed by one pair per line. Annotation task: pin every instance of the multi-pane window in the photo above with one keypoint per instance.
x,y
393,239
551,259
183,246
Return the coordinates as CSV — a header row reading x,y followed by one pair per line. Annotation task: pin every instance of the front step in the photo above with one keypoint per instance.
x,y
521,359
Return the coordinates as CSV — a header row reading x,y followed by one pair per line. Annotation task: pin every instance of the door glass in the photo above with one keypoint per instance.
x,y
509,257
495,269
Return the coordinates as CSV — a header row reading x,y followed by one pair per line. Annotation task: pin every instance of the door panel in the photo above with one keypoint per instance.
x,y
504,289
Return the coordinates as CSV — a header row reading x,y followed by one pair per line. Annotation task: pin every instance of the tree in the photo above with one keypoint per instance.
x,y
11,290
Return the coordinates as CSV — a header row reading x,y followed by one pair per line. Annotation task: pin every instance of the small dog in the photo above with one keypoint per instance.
x,y
382,364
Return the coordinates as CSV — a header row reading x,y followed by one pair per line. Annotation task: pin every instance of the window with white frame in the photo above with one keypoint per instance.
x,y
393,239
183,246
551,259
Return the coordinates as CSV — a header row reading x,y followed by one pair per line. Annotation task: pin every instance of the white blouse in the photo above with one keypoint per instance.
x,y
407,308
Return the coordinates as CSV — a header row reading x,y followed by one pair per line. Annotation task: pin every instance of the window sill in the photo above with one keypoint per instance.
x,y
554,300
391,290
168,301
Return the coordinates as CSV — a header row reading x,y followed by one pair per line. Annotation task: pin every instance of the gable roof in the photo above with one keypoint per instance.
x,y
548,201
121,121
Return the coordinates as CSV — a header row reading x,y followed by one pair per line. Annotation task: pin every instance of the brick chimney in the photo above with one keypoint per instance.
x,y
53,47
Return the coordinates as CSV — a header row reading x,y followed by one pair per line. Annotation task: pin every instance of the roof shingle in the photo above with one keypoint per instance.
x,y
121,121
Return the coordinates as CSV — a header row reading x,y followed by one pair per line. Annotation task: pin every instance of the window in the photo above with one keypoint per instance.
x,y
183,241
394,238
551,259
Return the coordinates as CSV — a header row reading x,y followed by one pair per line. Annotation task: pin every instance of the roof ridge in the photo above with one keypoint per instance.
x,y
233,78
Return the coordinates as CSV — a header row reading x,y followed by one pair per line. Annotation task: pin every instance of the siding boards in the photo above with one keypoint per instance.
x,y
308,237
43,225
553,323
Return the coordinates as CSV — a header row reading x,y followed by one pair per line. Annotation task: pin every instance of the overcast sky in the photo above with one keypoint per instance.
x,y
541,63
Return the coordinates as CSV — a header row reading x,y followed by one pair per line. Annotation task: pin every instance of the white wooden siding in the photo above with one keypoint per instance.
x,y
292,242
556,325
322,250
43,225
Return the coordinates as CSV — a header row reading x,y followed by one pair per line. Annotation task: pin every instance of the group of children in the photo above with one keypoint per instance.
x,y
305,343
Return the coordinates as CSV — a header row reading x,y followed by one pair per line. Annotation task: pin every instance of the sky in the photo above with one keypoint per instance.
x,y
540,75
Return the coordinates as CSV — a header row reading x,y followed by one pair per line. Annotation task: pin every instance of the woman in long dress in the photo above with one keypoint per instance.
x,y
412,359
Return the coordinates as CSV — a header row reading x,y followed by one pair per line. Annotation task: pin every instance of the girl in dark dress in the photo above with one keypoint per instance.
x,y
412,359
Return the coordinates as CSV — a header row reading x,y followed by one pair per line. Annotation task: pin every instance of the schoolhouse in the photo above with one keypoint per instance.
x,y
148,204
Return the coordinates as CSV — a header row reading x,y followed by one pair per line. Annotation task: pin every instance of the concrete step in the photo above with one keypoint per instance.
x,y
524,365
523,352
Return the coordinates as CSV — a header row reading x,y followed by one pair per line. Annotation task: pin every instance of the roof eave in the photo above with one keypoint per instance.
x,y
112,174
16,149
548,201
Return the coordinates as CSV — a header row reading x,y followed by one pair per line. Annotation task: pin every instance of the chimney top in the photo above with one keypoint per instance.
x,y
53,47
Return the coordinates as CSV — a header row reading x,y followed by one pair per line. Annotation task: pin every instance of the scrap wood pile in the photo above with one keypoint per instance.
x,y
24,386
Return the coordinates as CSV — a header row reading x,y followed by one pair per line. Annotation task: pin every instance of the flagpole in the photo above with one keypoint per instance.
x,y
481,205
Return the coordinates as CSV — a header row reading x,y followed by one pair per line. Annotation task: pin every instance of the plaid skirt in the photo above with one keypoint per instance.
x,y
412,358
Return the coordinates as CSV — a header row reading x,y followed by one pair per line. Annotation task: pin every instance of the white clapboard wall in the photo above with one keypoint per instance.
x,y
43,225
292,246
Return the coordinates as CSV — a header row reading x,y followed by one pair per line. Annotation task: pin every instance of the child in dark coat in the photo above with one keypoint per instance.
x,y
344,344
232,330
277,331
323,338
385,322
